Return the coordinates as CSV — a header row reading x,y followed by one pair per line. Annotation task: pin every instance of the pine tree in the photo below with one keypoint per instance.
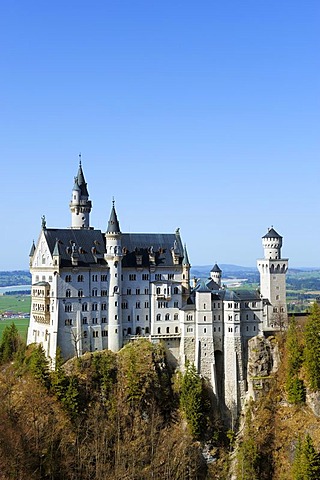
x,y
10,344
312,348
191,401
294,385
38,365
306,464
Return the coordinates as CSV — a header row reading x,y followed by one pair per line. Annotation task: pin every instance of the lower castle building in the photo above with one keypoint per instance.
x,y
94,290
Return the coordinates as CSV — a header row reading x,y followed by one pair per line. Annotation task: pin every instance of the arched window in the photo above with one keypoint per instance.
x,y
158,290
68,307
176,316
80,278
80,293
176,329
167,317
168,329
138,331
159,329
68,278
129,331
158,317
176,290
84,307
147,330
68,293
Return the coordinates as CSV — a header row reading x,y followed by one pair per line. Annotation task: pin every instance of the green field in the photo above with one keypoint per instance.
x,y
15,303
21,324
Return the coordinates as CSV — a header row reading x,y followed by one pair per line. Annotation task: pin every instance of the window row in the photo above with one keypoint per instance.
x,y
94,278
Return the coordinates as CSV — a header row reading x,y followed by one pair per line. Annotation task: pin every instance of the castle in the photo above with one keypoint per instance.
x,y
93,290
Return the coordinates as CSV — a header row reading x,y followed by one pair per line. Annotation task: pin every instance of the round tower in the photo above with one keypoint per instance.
x,y
80,205
272,243
215,274
114,257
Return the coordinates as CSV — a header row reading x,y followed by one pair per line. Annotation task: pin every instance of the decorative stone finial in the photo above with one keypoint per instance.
x,y
43,222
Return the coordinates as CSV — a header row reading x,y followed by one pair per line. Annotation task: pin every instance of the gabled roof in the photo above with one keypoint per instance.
x,y
89,245
272,234
32,250
148,246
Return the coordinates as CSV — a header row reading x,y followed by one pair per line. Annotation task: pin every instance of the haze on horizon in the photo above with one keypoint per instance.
x,y
198,116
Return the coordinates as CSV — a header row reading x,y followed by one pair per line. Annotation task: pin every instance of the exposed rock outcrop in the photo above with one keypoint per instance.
x,y
263,360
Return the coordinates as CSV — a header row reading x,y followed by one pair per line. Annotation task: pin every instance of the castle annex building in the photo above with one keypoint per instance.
x,y
94,290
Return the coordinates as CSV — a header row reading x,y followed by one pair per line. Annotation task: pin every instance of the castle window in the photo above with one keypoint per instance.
x,y
84,320
254,327
159,329
204,330
128,291
214,318
158,317
214,304
104,278
115,289
68,278
170,276
147,318
94,292
115,303
138,331
68,322
229,305
254,304
204,318
246,304
85,334
176,316
189,329
147,330
176,330
80,278
137,291
145,276
138,305
218,305
129,331
158,290
247,317
94,306
94,278
158,276
68,307
104,293
116,317
124,305
132,277
68,293
138,318
168,329
129,318
214,329
146,291
103,306
254,316
189,318
104,320
176,290
167,317
219,329
146,304
204,306
80,293
104,333
84,307
229,317
247,328
95,334
176,304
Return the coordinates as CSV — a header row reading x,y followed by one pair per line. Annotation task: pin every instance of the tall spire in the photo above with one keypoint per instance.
x,y
185,260
80,204
113,224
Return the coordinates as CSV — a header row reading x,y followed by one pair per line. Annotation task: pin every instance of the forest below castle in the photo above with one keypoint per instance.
x,y
129,415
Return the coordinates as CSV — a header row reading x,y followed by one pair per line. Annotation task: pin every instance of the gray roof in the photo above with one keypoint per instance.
x,y
185,260
147,245
32,250
238,295
272,234
89,245
216,268
113,224
80,181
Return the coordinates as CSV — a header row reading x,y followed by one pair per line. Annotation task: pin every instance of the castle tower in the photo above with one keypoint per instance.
x,y
273,269
215,274
80,204
185,274
114,257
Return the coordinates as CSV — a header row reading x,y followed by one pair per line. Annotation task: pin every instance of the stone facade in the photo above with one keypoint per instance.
x,y
93,290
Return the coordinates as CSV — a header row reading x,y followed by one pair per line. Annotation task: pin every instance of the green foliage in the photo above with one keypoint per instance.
x,y
38,365
191,400
248,456
312,348
306,464
11,344
296,391
295,388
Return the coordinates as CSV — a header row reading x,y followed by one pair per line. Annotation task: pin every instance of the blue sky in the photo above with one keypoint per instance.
x,y
199,115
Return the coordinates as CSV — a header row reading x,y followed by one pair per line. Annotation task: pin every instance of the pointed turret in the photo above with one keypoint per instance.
x,y
185,274
113,224
32,250
215,274
80,204
56,254
185,260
